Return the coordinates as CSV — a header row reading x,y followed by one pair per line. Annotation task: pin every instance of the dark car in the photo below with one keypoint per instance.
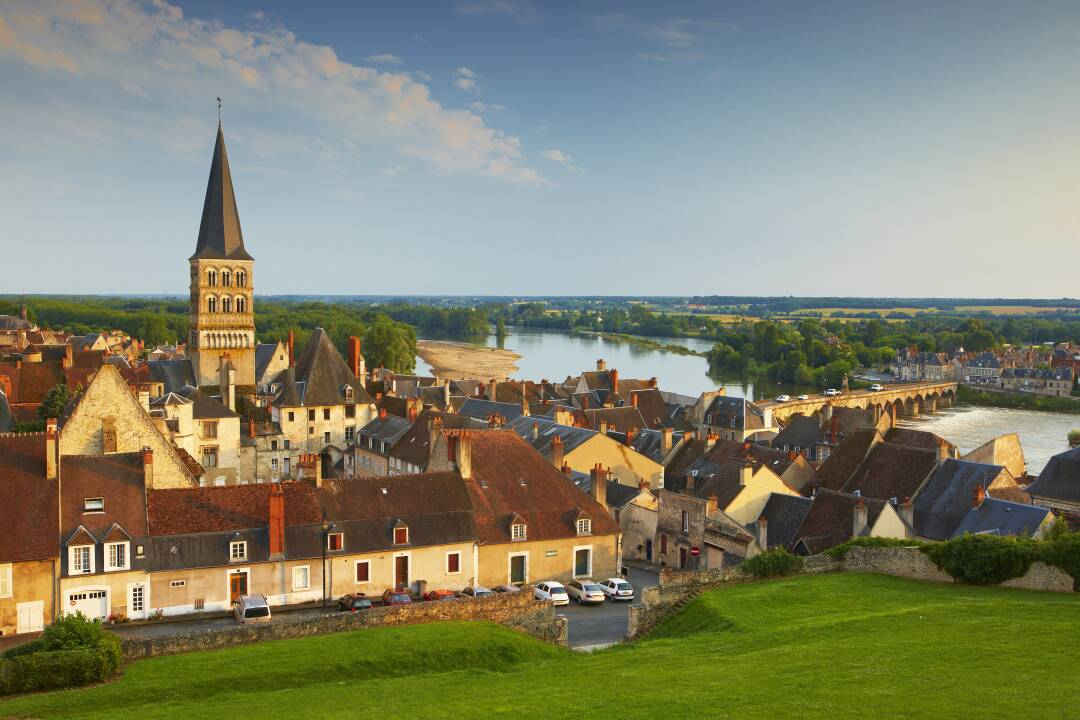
x,y
396,597
353,601
435,595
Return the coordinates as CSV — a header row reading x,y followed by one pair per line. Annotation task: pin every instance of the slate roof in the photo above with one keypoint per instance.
x,y
892,471
28,513
619,419
748,416
649,443
1060,479
264,354
118,478
1001,517
801,431
387,429
784,514
321,377
830,520
618,495
920,439
219,231
942,503
173,374
228,508
206,406
13,322
844,460
484,409
650,403
547,431
414,446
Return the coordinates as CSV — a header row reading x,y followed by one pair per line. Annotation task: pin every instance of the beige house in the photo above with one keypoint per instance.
x,y
1004,450
206,429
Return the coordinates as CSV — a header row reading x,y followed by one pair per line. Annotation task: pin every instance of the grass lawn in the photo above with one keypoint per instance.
x,y
831,646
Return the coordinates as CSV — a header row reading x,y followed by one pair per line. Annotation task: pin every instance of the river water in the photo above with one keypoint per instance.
x,y
554,355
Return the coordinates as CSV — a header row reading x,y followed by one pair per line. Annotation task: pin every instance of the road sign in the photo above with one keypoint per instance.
x,y
695,551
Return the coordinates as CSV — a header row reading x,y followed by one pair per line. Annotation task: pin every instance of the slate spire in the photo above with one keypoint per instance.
x,y
219,232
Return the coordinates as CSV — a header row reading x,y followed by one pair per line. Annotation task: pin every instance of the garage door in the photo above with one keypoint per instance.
x,y
91,603
31,616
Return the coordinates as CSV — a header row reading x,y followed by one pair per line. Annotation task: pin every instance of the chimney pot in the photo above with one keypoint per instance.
x,y
980,496
860,519
557,452
665,440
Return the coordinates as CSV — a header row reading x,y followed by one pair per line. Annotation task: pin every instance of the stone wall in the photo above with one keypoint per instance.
x,y
518,611
909,563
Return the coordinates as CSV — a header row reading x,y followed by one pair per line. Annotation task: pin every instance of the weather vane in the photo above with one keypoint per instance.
x,y
219,110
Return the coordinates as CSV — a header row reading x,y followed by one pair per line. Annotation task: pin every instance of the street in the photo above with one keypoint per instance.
x,y
605,624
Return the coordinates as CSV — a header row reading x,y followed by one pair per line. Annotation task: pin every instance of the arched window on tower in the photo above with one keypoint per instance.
x,y
241,278
239,303
211,278
211,304
226,278
226,304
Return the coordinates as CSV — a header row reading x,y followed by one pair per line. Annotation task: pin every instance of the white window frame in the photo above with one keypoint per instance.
x,y
459,556
357,564
124,547
686,521
330,548
7,588
307,575
584,526
573,561
406,529
98,503
89,569
177,583
524,532
240,556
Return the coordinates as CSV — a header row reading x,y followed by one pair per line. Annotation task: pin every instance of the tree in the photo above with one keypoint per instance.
x,y
390,345
155,331
56,401
500,327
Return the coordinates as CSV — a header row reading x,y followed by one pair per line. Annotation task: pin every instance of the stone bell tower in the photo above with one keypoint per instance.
x,y
221,317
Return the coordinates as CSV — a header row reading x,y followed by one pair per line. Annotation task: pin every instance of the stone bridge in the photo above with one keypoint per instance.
x,y
906,398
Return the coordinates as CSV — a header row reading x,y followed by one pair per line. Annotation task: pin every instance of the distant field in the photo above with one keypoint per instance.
x,y
833,646
1013,309
827,312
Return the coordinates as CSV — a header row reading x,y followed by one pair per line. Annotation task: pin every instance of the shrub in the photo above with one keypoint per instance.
x,y
840,551
984,559
1062,549
72,631
772,563
72,651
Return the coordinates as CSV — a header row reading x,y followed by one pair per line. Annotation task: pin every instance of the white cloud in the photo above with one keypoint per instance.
x,y
482,107
182,63
522,11
677,39
558,156
465,79
384,59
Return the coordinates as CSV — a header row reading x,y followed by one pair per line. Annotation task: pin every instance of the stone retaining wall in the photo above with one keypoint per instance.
x,y
518,611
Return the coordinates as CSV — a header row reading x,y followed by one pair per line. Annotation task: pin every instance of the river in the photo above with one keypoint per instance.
x,y
554,355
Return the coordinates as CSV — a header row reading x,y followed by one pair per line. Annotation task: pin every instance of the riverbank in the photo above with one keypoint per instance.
x,y
1017,401
639,340
458,361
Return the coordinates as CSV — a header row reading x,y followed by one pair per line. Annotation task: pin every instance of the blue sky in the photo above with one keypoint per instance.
x,y
509,147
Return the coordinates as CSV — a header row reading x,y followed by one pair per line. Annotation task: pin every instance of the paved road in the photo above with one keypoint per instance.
x,y
201,623
607,623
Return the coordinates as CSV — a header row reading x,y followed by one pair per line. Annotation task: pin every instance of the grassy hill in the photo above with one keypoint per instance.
x,y
832,646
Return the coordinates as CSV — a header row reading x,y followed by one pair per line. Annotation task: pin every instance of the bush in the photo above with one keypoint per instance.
x,y
71,652
840,551
772,563
984,559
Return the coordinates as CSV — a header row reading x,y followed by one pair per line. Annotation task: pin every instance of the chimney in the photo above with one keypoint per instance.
x,y
144,400
792,455
50,449
567,471
382,413
834,426
479,390
599,486
710,440
22,312
251,428
411,412
763,533
492,388
446,394
69,356
5,387
980,495
353,348
535,430
148,467
690,480
907,514
826,414
652,382
434,428
712,504
859,524
943,452
633,399
630,433
292,347
746,472
614,381
557,451
665,440
464,456
602,427
277,521
601,365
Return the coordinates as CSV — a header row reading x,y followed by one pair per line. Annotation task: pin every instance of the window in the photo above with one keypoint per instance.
x,y
292,417
108,435
517,531
239,304
116,556
350,410
94,504
241,278
209,428
178,583
335,541
225,278
209,456
663,544
6,589
453,563
273,464
226,304
350,394
326,438
237,550
350,434
363,571
81,560
685,521
286,445
140,551
584,526
211,278
301,578
401,536
326,414
273,444
211,304
311,415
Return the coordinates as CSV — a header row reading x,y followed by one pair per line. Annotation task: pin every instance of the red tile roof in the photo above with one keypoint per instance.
x,y
118,478
28,511
234,507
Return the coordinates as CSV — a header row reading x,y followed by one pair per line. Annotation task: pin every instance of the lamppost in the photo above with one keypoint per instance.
x,y
326,528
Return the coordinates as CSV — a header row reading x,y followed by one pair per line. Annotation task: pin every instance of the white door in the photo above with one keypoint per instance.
x,y
91,603
31,616
137,602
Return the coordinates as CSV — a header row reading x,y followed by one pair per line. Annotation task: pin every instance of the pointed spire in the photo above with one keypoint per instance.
x,y
219,232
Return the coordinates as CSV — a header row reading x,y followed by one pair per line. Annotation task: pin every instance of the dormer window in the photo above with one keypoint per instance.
x,y
401,535
518,531
335,541
80,560
95,504
237,551
116,556
584,526
350,394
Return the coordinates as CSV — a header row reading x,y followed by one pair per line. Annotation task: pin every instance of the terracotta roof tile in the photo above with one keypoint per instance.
x,y
28,513
233,507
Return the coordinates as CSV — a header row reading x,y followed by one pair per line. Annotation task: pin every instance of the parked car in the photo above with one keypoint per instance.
x,y
831,392
551,590
475,592
783,398
617,589
251,609
803,397
877,387
585,592
435,595
507,589
396,597
354,601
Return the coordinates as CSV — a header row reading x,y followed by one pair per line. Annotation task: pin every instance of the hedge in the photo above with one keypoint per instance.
x,y
53,669
773,563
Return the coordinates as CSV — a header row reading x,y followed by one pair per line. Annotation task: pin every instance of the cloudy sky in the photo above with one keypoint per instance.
x,y
516,147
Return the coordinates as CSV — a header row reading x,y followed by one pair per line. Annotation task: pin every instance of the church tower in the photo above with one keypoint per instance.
x,y
221,318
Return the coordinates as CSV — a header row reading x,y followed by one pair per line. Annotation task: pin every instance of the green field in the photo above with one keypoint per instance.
x,y
832,646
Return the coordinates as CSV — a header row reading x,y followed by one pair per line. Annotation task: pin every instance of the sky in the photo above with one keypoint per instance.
x,y
532,148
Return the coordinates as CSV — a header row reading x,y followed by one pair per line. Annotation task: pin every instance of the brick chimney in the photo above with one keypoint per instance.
x,y
291,342
69,356
665,440
763,533
633,399
251,428
614,374
5,387
599,486
601,365
464,455
382,413
907,514
557,451
277,521
411,410
567,471
712,504
493,387
859,522
652,382
980,496
434,428
148,466
690,481
943,452
535,430
631,432
353,348
50,449
834,427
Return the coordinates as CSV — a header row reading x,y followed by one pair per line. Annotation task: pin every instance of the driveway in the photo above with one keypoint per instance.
x,y
592,625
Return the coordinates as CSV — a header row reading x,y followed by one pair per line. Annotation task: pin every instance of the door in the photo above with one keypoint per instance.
x,y
31,616
682,557
582,561
137,602
91,603
648,550
401,571
237,586
517,569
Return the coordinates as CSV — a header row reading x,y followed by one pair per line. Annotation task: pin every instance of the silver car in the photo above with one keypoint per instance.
x,y
251,609
617,589
586,592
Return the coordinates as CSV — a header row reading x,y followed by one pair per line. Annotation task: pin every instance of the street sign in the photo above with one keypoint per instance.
x,y
695,551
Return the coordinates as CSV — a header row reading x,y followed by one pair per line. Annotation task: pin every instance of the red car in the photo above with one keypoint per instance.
x,y
396,597
434,595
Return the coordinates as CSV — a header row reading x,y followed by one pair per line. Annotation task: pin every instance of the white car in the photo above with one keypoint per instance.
x,y
617,589
586,592
783,398
831,392
803,397
877,387
553,591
